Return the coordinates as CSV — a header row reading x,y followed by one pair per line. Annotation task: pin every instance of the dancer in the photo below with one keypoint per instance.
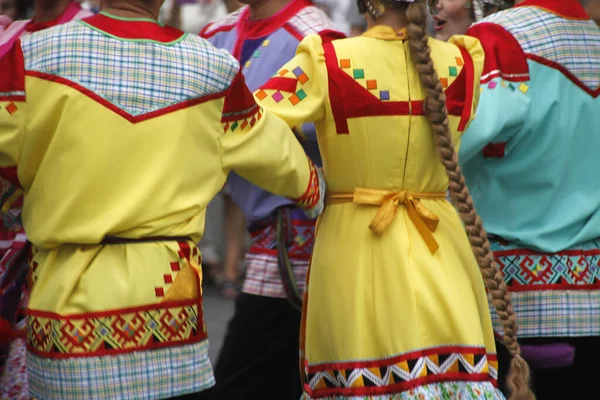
x,y
14,247
122,130
528,160
266,325
398,311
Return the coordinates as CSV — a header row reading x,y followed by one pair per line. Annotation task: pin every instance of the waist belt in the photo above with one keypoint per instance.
x,y
424,220
122,240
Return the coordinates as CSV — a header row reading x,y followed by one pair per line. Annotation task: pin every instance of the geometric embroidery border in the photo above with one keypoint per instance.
x,y
527,270
105,333
402,372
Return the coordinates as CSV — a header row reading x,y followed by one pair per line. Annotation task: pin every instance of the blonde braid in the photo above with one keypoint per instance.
x,y
435,109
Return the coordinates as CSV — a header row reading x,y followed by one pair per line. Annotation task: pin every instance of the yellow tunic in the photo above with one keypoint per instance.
x,y
125,128
384,317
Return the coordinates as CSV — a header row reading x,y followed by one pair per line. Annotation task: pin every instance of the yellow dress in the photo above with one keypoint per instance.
x,y
124,128
402,314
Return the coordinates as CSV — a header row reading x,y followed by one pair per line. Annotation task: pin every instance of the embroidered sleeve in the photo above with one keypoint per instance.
x,y
12,106
298,90
470,65
504,98
262,149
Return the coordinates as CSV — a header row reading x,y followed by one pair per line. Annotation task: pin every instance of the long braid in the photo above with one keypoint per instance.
x,y
435,108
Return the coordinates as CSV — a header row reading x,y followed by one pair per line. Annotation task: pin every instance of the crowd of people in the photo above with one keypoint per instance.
x,y
398,195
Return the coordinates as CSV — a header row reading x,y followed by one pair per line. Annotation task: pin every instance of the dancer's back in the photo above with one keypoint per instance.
x,y
377,298
122,131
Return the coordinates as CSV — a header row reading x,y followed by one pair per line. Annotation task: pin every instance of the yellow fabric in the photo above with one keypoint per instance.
x,y
425,221
371,297
88,173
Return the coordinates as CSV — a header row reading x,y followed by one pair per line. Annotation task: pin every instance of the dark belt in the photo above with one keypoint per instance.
x,y
285,238
148,239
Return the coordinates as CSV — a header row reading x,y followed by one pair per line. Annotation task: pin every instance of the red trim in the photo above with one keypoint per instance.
x,y
124,114
134,29
329,35
12,73
256,29
524,252
551,287
397,359
359,102
239,101
199,336
401,386
274,253
592,92
335,89
504,56
494,150
569,9
516,287
280,83
225,28
313,190
150,346
294,32
468,72
100,314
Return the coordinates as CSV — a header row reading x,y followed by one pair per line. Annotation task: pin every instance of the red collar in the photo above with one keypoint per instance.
x,y
72,9
252,29
569,9
133,28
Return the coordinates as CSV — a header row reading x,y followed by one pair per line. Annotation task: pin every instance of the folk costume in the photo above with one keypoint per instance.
x,y
398,311
14,247
528,160
266,325
115,197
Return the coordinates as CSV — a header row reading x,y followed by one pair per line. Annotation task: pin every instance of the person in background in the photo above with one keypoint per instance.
x,y
454,17
262,337
530,160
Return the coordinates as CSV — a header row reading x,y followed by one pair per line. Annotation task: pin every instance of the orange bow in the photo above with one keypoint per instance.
x,y
424,220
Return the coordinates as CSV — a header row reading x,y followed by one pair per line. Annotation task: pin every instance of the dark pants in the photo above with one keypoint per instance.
x,y
578,381
260,355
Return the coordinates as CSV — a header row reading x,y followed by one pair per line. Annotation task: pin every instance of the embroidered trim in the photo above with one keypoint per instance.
x,y
160,325
364,378
525,270
245,120
311,196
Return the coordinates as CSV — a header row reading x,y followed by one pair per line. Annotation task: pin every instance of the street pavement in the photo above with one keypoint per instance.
x,y
217,312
